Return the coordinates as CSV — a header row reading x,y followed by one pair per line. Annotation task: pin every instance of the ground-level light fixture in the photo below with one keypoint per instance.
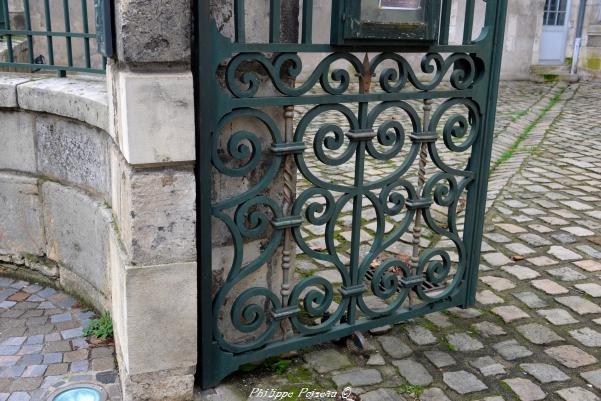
x,y
79,392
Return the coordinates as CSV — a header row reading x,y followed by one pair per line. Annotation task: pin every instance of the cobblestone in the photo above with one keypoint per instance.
x,y
577,394
571,356
538,334
545,373
579,305
45,351
463,382
525,389
414,372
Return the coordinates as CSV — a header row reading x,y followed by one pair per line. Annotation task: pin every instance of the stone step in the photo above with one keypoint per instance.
x,y
550,73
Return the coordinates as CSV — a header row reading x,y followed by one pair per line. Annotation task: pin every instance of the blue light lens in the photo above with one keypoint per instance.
x,y
79,394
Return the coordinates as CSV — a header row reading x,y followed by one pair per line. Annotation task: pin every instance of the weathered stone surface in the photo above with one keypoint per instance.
x,y
564,254
488,329
463,382
488,297
157,213
440,359
145,295
394,347
463,342
8,87
530,299
566,274
77,232
381,394
153,31
175,384
538,334
509,313
414,372
525,389
332,275
498,283
511,350
496,259
74,153
326,360
21,227
521,272
433,394
570,356
469,313
589,265
557,317
592,289
579,305
376,360
488,366
577,394
544,373
82,98
593,377
549,287
222,393
18,145
358,377
587,337
160,129
420,335
534,239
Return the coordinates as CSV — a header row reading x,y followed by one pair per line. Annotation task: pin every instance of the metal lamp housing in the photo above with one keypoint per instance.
x,y
385,22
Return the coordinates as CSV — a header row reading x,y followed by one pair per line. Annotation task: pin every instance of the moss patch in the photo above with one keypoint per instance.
x,y
593,63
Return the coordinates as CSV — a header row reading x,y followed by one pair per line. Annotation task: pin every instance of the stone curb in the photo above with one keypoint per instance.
x,y
81,98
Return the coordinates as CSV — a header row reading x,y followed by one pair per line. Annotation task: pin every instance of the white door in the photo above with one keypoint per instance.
x,y
555,32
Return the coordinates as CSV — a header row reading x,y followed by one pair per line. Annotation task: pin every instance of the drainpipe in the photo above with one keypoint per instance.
x,y
578,41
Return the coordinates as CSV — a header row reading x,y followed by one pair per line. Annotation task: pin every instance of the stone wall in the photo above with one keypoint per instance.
x,y
112,216
54,180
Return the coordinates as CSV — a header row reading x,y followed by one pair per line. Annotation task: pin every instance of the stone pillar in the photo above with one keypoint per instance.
x,y
153,256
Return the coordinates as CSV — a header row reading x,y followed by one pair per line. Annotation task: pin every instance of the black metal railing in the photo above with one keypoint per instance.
x,y
52,35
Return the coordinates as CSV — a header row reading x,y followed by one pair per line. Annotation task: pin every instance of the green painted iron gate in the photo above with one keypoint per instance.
x,y
342,186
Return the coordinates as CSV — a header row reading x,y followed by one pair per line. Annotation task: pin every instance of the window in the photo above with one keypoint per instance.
x,y
555,12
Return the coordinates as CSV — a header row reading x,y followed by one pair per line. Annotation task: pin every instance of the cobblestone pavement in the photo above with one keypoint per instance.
x,y
42,347
535,332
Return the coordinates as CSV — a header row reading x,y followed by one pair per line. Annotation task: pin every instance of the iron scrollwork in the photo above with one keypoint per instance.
x,y
334,135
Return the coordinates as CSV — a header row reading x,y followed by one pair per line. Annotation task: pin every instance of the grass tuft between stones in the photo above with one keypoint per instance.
x,y
412,389
101,328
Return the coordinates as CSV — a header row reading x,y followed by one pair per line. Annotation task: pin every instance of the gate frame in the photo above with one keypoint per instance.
x,y
211,369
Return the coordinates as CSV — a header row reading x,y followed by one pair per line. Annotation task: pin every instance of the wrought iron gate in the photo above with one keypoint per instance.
x,y
311,178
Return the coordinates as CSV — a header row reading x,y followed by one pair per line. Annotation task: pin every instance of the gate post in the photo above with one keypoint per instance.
x,y
153,258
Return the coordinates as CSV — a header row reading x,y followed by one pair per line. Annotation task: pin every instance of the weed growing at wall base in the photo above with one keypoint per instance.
x,y
101,328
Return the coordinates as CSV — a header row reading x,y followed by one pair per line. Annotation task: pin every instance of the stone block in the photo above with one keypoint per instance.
x,y
155,314
17,137
77,229
156,209
153,31
73,152
8,88
161,128
84,99
172,385
21,228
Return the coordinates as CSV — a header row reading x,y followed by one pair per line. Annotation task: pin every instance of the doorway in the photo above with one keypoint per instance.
x,y
555,31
